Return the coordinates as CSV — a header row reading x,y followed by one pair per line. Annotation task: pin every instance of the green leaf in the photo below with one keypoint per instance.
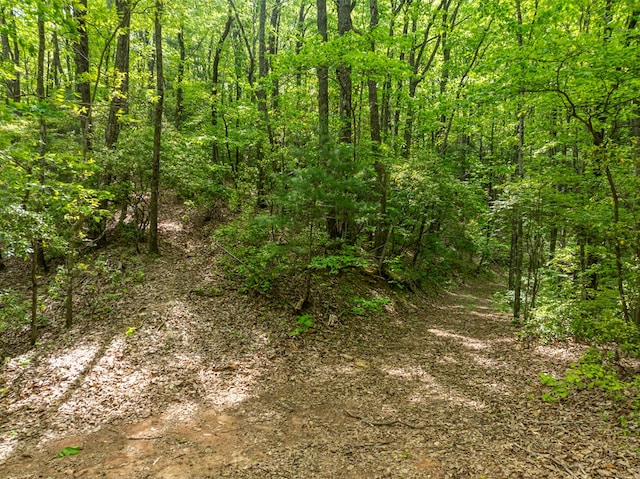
x,y
69,451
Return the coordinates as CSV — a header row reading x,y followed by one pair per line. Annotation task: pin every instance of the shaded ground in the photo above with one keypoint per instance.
x,y
207,384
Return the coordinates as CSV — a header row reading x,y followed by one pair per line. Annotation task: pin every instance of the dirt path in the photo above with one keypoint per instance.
x,y
207,385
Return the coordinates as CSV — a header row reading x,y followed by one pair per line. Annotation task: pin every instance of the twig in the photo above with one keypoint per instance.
x,y
230,253
556,461
374,444
228,367
556,423
383,423
146,438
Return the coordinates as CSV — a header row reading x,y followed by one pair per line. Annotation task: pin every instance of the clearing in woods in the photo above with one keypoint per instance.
x,y
188,378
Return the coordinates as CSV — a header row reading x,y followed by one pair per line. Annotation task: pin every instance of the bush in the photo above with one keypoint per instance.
x,y
595,371
258,261
13,310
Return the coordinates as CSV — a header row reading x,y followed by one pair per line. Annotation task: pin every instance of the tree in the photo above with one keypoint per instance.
x,y
83,85
119,105
157,133
10,53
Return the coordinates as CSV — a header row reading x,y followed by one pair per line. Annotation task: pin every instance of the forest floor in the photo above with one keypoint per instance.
x,y
185,377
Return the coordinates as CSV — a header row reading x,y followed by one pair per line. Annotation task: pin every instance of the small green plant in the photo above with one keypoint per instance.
x,y
559,389
594,371
503,300
24,361
363,306
303,324
250,253
13,310
337,263
131,331
584,375
69,451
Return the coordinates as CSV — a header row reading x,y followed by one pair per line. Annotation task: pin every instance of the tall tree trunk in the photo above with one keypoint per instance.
x,y
386,110
635,130
179,78
300,29
42,128
57,62
215,152
157,134
250,51
337,222
447,27
261,95
323,87
33,334
263,70
10,53
274,25
517,250
419,70
83,87
119,102
37,255
399,102
40,91
323,109
345,25
617,247
634,306
517,253
6,50
382,175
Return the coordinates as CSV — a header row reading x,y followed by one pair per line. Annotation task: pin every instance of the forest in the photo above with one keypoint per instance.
x,y
413,140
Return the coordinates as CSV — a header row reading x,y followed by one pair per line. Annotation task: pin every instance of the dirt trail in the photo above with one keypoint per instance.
x,y
207,385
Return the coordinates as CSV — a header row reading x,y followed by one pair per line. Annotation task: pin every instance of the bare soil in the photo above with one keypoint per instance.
x,y
186,377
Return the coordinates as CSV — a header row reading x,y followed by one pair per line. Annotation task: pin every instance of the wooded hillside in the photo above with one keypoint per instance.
x,y
219,220
415,139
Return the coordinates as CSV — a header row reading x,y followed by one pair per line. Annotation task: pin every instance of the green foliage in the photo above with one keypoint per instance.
x,y
69,451
262,265
106,280
189,171
364,306
253,257
561,314
438,221
583,376
337,263
503,299
303,324
594,371
13,310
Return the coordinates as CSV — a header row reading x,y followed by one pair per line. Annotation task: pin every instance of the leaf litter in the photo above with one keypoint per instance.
x,y
187,377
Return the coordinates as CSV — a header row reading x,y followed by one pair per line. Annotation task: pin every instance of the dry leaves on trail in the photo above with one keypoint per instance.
x,y
208,384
